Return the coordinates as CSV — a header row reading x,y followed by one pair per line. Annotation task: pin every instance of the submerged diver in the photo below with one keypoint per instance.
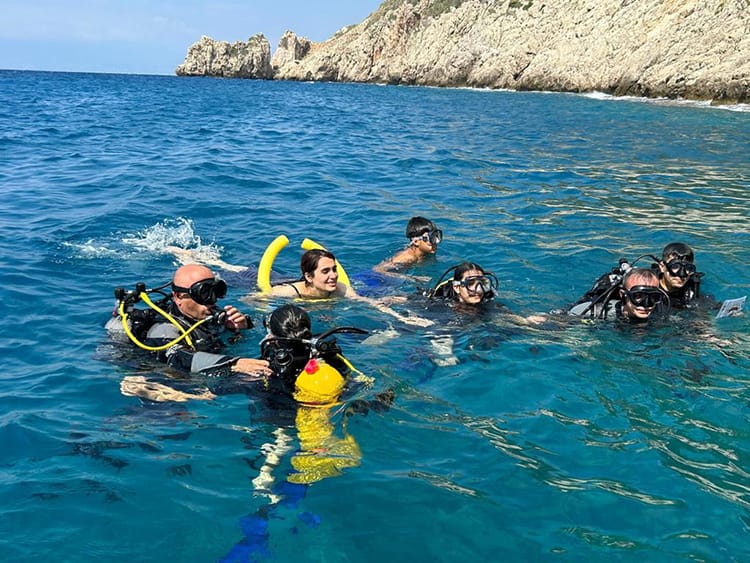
x,y
424,237
314,371
184,329
633,297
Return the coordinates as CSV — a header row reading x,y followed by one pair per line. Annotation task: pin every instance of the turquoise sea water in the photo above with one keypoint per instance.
x,y
593,442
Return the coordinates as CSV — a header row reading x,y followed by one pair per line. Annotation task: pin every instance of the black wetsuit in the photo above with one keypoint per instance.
x,y
205,357
685,297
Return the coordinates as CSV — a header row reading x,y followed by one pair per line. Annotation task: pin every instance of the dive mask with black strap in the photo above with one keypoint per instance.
x,y
204,292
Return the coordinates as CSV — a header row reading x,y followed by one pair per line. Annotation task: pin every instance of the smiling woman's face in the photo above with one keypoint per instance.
x,y
325,277
469,290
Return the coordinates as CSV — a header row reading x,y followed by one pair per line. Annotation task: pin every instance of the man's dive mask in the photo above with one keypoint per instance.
x,y
681,268
204,292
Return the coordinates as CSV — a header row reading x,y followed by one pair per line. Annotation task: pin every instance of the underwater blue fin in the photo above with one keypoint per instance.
x,y
255,542
291,493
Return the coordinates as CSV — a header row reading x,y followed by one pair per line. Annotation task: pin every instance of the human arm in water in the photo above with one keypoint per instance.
x,y
350,293
183,357
393,266
195,256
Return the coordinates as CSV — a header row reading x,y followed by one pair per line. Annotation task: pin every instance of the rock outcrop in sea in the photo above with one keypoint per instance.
x,y
697,49
207,57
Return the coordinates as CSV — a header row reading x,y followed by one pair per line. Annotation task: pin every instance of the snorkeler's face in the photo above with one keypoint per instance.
x,y
472,287
325,277
675,273
428,241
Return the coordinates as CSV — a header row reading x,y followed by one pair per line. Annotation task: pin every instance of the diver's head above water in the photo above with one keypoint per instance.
x,y
289,321
304,366
195,290
677,266
640,294
472,285
424,236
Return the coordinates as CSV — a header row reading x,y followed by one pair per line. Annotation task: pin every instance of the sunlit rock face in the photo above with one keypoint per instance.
x,y
674,48
207,57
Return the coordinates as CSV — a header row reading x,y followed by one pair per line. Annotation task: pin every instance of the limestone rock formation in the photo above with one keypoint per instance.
x,y
696,49
236,60
290,51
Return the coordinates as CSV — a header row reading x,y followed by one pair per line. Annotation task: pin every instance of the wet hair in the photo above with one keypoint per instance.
x,y
290,321
310,259
464,267
288,348
417,226
677,250
640,274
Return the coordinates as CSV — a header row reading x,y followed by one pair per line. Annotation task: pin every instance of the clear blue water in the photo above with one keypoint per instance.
x,y
588,442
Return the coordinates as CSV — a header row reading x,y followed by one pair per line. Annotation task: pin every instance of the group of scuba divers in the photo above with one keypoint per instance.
x,y
185,327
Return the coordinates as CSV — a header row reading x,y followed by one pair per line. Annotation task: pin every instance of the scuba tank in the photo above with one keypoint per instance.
x,y
606,284
606,287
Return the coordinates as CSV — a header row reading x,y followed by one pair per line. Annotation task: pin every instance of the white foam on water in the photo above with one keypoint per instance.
x,y
178,232
90,249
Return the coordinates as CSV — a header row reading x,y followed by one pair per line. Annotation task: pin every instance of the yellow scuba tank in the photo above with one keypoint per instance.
x,y
318,384
322,454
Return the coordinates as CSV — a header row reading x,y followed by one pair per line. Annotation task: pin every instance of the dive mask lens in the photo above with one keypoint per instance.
x,y
477,284
681,268
433,236
645,296
207,292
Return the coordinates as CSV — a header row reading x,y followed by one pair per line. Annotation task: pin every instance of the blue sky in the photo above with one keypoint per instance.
x,y
152,37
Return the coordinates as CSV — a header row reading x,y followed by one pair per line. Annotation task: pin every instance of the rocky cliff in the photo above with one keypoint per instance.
x,y
251,59
697,49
